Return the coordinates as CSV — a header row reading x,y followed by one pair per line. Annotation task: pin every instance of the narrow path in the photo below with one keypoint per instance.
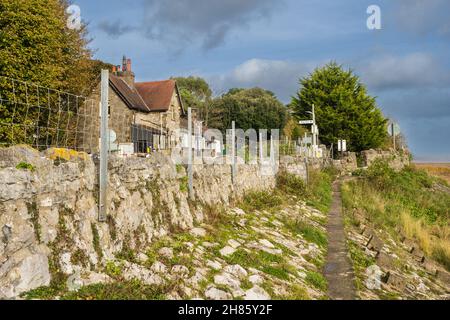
x,y
338,268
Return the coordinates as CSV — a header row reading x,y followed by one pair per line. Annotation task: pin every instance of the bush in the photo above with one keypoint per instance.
x,y
291,184
260,200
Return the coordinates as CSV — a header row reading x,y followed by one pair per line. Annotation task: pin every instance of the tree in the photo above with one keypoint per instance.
x,y
195,93
344,110
37,46
254,108
293,130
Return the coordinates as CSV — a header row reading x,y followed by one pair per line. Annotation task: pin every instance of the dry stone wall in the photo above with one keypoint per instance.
x,y
49,210
396,160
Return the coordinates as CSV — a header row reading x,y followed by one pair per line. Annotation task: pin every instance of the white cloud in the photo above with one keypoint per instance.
x,y
423,17
280,76
389,72
208,22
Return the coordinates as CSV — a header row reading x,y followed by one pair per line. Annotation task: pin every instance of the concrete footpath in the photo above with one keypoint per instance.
x,y
338,268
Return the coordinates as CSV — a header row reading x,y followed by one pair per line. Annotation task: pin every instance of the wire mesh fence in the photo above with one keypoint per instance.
x,y
46,118
43,117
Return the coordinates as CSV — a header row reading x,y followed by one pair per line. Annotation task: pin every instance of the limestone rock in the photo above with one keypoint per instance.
x,y
227,280
30,272
256,279
142,257
226,251
256,293
214,265
66,265
198,232
237,271
234,244
180,270
158,267
134,271
216,294
166,252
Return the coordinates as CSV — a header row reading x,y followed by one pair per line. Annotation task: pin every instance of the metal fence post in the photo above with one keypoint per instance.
x,y
189,141
233,152
260,148
103,178
307,172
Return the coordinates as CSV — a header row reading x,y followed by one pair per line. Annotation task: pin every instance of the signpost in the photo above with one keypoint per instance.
x,y
393,131
314,129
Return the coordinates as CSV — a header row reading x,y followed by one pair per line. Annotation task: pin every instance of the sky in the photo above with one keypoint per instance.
x,y
274,43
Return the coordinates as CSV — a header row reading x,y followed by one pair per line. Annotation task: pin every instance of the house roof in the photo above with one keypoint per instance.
x,y
129,95
155,96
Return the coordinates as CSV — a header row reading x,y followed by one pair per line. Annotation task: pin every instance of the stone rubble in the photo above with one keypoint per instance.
x,y
406,272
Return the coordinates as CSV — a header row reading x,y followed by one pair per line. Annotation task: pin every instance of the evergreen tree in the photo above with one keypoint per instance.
x,y
344,110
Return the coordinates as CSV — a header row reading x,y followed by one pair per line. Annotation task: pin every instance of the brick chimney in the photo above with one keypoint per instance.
x,y
126,74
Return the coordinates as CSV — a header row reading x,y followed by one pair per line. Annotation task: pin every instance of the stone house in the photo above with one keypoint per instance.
x,y
143,116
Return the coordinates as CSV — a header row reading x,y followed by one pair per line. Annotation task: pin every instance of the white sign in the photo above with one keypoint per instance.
x,y
394,129
306,122
307,140
342,145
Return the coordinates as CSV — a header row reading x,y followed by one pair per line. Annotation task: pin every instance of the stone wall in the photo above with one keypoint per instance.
x,y
396,160
49,210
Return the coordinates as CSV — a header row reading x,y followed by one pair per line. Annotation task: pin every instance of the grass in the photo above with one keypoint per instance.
x,y
184,185
317,194
297,292
317,280
308,232
126,290
261,200
320,190
407,199
274,265
441,170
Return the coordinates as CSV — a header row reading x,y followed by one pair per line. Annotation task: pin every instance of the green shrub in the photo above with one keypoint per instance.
x,y
261,200
291,184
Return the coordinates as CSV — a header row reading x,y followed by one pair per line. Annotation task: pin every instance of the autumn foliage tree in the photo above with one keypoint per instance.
x,y
37,46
